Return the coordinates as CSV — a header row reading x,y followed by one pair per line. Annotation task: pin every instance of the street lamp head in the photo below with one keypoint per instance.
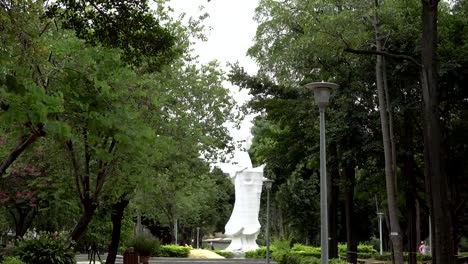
x,y
322,91
268,184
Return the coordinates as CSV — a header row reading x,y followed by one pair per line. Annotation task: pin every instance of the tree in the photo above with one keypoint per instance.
x,y
128,25
436,179
24,77
27,191
388,141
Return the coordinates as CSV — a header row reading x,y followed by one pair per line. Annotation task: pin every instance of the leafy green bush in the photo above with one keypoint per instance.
x,y
364,248
423,257
6,252
145,245
259,253
174,251
337,261
385,256
224,253
45,249
121,250
365,255
303,250
279,250
12,260
297,258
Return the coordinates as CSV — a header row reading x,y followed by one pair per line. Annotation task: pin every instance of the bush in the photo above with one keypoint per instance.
x,y
8,251
338,261
174,251
305,251
45,249
279,250
364,248
365,255
295,258
12,260
302,248
144,245
259,253
224,253
386,256
121,250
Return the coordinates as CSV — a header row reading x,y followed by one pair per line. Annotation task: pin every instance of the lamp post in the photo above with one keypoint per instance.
x,y
322,91
268,185
380,232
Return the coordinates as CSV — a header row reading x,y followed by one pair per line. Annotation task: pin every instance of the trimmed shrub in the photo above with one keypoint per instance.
x,y
145,245
295,258
174,251
121,250
224,253
423,257
387,256
364,248
337,261
365,255
308,251
45,249
259,253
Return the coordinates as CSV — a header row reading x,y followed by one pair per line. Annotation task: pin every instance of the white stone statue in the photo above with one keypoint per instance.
x,y
243,226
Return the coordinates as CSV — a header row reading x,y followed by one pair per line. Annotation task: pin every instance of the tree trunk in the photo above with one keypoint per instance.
x,y
395,230
332,203
436,182
86,217
390,123
410,176
350,181
116,217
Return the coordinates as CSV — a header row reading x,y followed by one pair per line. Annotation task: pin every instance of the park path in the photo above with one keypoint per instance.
x,y
82,259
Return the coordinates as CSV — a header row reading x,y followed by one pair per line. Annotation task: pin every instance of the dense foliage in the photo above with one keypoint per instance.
x,y
300,42
110,96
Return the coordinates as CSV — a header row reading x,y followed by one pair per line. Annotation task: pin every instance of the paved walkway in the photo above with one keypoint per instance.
x,y
82,259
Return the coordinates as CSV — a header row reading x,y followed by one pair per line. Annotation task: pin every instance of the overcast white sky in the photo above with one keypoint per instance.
x,y
230,31
232,28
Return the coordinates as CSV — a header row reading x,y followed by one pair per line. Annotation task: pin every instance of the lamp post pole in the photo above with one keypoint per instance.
x,y
322,92
380,232
268,185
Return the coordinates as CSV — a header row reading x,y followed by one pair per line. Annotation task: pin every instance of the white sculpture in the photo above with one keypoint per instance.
x,y
243,226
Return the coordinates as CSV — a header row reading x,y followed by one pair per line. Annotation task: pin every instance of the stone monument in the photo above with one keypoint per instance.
x,y
243,226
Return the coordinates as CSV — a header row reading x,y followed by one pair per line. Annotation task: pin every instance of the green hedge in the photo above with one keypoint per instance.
x,y
387,256
174,251
298,254
145,245
260,253
224,253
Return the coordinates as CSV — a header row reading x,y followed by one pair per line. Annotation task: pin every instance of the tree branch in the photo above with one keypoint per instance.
x,y
78,176
19,149
385,54
104,171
